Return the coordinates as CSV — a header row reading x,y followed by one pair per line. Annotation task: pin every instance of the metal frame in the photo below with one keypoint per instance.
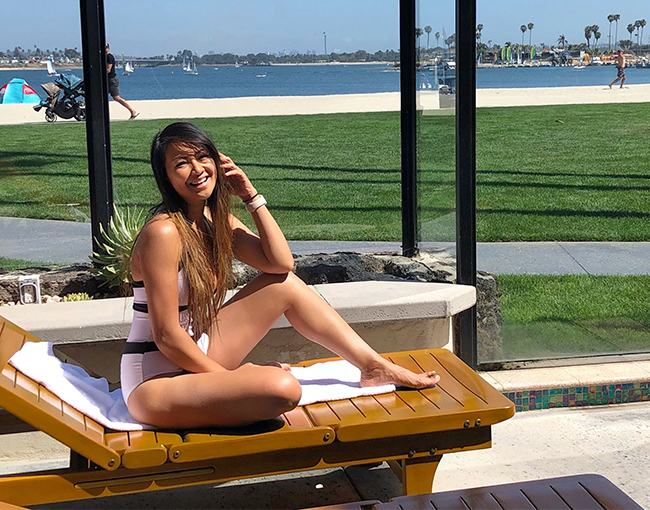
x,y
98,138
408,116
465,341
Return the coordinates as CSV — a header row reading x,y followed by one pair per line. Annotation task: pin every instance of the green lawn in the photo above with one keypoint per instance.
x,y
15,264
551,316
337,176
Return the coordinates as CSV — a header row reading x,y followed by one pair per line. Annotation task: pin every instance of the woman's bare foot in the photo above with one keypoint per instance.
x,y
389,373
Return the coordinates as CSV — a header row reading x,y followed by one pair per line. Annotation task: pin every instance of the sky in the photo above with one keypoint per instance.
x,y
155,27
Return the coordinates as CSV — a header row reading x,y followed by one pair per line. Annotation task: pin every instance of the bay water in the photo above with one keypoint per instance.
x,y
170,82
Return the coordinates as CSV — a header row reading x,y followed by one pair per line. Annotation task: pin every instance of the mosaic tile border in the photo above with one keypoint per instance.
x,y
580,396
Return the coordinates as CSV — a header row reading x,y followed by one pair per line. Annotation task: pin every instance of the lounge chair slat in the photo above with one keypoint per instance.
x,y
144,450
168,438
395,406
73,417
297,419
11,341
347,411
26,387
49,402
417,401
94,429
322,414
458,370
440,398
118,441
449,383
371,409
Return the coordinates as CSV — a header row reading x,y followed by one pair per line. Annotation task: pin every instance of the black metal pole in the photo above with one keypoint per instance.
x,y
98,139
466,344
408,127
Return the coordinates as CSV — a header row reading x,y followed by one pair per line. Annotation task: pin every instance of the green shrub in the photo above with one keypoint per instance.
x,y
113,265
76,296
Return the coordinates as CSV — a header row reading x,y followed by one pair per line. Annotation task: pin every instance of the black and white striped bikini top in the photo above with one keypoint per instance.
x,y
140,294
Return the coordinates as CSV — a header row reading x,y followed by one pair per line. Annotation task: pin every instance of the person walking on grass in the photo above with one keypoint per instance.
x,y
182,365
114,83
620,66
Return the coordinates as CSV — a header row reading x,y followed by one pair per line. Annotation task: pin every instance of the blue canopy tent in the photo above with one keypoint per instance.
x,y
17,91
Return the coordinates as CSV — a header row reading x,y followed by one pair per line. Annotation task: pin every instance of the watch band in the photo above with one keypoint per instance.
x,y
255,204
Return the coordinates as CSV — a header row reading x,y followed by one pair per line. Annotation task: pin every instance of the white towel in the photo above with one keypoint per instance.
x,y
73,385
332,380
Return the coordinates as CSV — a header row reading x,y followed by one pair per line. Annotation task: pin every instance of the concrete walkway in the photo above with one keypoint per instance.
x,y
67,242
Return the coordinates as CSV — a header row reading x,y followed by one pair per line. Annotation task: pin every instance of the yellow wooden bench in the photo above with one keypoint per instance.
x,y
410,429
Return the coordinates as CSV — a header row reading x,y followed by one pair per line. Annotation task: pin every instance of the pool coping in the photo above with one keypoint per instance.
x,y
576,385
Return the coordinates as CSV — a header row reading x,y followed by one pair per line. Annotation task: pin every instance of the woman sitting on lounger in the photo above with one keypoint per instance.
x,y
182,362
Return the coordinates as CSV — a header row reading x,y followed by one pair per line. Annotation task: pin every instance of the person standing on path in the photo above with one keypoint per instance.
x,y
620,65
114,83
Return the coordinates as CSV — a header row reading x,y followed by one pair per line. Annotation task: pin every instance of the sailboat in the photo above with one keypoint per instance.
x,y
128,69
191,68
50,68
186,65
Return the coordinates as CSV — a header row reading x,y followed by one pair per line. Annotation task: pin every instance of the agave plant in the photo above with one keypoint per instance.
x,y
113,264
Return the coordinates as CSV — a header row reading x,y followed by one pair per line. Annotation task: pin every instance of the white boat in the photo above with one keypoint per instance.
x,y
185,64
50,68
128,69
191,68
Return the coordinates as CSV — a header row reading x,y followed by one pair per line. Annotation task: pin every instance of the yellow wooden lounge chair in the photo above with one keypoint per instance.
x,y
410,429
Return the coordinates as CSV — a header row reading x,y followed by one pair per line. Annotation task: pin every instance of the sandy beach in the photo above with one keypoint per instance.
x,y
309,105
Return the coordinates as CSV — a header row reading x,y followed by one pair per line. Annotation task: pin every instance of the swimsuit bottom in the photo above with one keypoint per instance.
x,y
142,361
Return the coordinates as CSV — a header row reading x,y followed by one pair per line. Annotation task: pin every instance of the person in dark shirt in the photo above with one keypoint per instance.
x,y
114,83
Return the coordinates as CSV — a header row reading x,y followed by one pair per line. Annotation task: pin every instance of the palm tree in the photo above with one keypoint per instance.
x,y
595,29
617,17
588,35
479,29
562,40
610,18
428,30
637,25
530,34
437,36
641,24
597,37
418,33
630,29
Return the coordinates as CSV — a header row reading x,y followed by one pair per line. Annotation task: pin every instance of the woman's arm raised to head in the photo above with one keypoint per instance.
x,y
157,255
268,252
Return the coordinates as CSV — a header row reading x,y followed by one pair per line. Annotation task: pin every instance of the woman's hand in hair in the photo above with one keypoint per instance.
x,y
239,183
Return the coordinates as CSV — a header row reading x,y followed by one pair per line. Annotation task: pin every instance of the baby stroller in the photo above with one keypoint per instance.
x,y
65,98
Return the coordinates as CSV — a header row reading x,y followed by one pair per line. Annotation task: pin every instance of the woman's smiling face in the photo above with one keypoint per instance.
x,y
191,171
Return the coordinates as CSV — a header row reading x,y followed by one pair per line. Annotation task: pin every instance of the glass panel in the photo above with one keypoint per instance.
x,y
302,96
562,162
43,169
436,150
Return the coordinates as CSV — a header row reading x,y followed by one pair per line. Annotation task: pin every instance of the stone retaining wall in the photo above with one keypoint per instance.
x,y
427,266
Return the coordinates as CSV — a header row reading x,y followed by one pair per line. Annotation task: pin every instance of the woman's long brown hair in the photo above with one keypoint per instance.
x,y
206,259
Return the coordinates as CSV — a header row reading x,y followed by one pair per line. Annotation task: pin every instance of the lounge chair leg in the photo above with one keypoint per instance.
x,y
416,474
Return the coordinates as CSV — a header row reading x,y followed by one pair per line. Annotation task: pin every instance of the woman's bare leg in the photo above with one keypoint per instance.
x,y
231,397
249,315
